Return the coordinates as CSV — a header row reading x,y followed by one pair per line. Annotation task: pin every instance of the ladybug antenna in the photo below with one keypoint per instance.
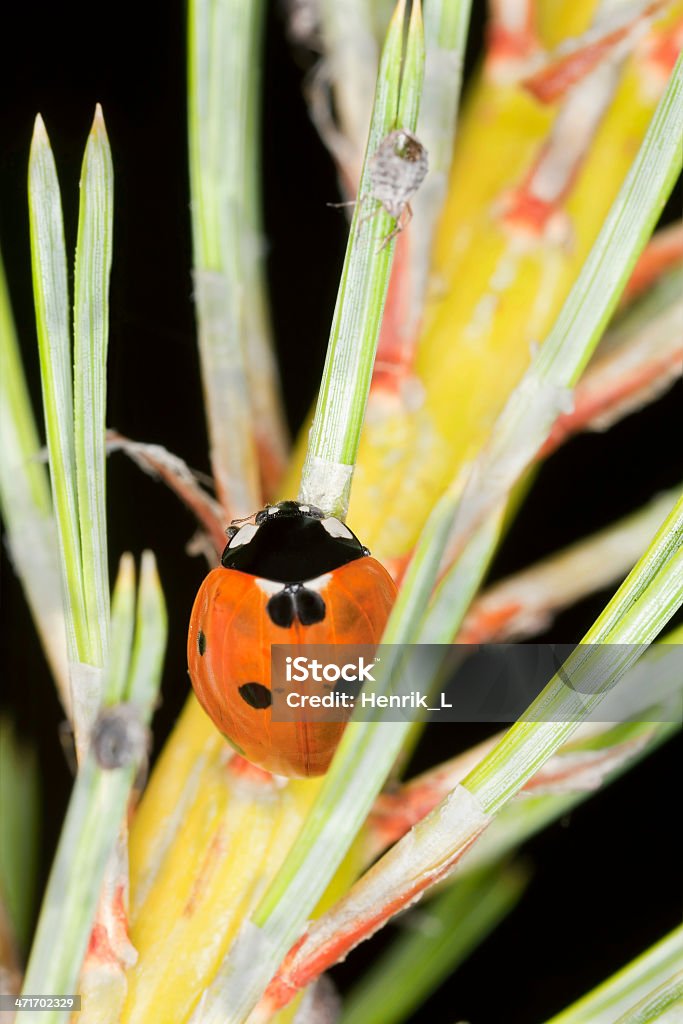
x,y
244,519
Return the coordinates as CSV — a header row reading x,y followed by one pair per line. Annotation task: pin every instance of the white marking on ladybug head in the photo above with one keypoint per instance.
x,y
244,535
319,583
272,510
269,587
336,528
304,508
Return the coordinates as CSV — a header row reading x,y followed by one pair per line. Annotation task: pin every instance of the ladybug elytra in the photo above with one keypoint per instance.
x,y
289,575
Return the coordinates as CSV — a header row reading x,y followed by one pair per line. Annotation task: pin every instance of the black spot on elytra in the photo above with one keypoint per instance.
x,y
296,601
201,643
256,695
280,608
310,607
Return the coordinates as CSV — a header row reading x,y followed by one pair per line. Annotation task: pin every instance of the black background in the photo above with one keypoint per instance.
x,y
605,881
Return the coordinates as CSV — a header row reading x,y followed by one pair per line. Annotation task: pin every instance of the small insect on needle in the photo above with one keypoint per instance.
x,y
397,169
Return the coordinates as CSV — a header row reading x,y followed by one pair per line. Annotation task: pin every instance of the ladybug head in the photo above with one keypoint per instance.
x,y
290,542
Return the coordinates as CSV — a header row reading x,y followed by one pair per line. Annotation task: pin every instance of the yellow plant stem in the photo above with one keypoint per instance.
x,y
208,837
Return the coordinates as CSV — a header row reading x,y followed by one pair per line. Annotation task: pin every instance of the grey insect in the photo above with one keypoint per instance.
x,y
397,169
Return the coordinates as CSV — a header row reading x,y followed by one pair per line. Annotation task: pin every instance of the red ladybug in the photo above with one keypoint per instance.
x,y
292,575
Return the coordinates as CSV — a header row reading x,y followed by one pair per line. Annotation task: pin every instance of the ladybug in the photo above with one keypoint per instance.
x,y
289,575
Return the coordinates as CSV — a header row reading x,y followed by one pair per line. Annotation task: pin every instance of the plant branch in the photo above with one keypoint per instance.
x,y
177,475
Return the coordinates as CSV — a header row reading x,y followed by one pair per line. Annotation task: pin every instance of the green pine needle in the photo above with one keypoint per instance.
x,y
91,335
633,983
51,297
340,410
20,832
